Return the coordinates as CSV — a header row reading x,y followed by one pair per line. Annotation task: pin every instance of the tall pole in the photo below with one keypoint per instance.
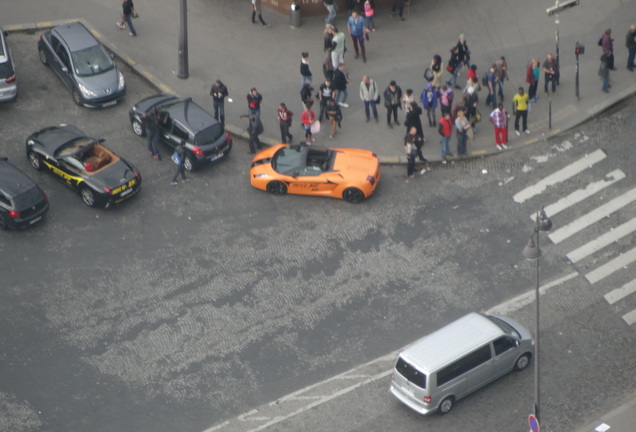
x,y
183,40
537,381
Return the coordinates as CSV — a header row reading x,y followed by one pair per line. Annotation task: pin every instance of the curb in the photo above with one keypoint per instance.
x,y
236,131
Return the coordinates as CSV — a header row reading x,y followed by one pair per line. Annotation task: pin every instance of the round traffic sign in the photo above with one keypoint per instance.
x,y
534,423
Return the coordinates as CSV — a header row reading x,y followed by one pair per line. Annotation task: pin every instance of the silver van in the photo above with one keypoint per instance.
x,y
443,367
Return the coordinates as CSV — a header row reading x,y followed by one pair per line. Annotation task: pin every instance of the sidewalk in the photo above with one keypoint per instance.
x,y
255,57
622,419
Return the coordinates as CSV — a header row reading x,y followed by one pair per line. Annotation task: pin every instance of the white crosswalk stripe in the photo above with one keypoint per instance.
x,y
560,176
572,228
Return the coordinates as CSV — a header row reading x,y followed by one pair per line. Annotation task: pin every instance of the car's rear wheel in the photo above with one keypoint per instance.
x,y
446,405
76,97
34,160
353,195
277,188
3,223
138,128
43,57
188,163
522,362
88,196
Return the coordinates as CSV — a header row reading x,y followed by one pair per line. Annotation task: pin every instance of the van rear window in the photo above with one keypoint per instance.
x,y
410,373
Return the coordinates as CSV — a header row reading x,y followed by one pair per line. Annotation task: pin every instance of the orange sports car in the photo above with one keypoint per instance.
x,y
349,174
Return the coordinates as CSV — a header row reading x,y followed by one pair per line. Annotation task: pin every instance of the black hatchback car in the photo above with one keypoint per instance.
x,y
206,140
22,202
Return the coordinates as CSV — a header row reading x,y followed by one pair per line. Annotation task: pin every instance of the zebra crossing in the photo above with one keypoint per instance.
x,y
575,228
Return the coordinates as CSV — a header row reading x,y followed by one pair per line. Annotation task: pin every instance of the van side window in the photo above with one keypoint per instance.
x,y
463,365
503,344
410,373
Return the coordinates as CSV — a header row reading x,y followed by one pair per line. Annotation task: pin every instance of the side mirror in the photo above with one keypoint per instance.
x,y
64,69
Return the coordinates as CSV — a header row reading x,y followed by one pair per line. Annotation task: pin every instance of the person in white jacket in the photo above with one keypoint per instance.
x,y
370,96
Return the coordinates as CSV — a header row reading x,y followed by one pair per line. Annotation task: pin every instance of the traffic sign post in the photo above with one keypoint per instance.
x,y
534,423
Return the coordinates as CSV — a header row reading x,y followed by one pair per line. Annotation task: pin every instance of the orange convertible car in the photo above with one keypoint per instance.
x,y
349,174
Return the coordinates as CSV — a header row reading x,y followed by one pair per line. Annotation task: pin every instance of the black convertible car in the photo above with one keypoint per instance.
x,y
83,164
206,140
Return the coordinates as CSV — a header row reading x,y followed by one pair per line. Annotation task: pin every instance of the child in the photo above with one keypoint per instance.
x,y
307,119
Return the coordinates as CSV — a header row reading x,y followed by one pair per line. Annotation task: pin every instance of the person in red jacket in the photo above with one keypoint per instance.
x,y
445,129
307,119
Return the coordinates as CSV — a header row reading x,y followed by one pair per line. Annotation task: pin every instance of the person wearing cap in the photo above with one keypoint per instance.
x,y
630,43
285,121
392,98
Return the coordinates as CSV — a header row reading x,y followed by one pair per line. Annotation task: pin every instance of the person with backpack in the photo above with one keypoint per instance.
x,y
254,100
453,68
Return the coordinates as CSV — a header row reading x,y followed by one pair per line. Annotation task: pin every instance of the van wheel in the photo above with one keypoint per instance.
x,y
522,362
446,405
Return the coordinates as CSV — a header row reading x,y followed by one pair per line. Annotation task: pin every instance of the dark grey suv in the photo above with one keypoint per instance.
x,y
8,85
22,202
83,64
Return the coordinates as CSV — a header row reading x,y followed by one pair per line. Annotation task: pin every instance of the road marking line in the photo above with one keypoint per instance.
x,y
620,293
278,409
602,241
560,176
592,217
526,298
581,194
630,318
608,268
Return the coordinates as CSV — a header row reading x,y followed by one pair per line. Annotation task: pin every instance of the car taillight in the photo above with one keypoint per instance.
x,y
14,213
227,135
137,175
108,190
46,197
371,180
393,376
197,151
10,79
427,399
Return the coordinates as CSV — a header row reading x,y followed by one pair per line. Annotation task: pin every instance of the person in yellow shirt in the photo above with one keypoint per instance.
x,y
520,110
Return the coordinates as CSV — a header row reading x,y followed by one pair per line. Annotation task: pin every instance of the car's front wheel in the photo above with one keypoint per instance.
x,y
43,57
277,188
138,128
88,196
77,98
522,362
34,160
353,195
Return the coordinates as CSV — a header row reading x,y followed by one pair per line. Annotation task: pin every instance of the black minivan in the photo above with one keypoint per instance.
x,y
22,202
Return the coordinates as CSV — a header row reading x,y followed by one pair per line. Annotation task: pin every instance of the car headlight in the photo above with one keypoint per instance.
x,y
122,83
86,91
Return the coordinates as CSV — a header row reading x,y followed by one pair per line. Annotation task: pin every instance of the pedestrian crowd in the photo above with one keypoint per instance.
x,y
458,102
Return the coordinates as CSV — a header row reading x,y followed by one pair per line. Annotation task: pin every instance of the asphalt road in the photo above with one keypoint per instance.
x,y
193,304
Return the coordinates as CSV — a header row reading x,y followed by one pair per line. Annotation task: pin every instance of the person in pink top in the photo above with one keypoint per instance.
x,y
369,10
307,119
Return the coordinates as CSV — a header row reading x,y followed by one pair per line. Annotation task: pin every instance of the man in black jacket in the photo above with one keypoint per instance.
x,y
340,80
392,98
219,93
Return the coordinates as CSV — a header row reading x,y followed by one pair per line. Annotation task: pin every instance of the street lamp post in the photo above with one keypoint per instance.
x,y
532,252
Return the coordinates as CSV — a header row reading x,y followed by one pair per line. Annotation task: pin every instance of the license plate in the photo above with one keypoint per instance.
x,y
218,156
111,103
407,391
32,221
126,192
